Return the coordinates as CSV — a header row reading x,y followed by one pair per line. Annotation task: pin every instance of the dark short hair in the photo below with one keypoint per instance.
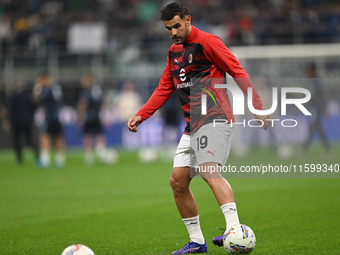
x,y
173,9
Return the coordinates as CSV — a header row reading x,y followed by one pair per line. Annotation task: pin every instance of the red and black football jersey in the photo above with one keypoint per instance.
x,y
192,69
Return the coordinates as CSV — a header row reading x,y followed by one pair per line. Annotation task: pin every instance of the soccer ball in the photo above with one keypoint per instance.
x,y
78,249
239,239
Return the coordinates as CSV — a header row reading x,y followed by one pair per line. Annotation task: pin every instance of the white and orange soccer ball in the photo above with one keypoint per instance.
x,y
78,249
239,239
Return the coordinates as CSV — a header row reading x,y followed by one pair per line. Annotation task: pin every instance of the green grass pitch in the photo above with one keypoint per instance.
x,y
128,208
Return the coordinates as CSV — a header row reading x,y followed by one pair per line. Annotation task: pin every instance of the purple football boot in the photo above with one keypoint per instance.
x,y
192,247
218,240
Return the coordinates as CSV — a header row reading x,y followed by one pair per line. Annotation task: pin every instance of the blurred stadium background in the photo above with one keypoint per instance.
x,y
123,45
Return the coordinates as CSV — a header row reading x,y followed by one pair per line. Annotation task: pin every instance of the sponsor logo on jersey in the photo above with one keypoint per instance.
x,y
212,153
184,85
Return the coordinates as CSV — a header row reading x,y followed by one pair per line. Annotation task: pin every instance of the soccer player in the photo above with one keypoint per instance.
x,y
49,96
90,103
21,114
197,54
317,105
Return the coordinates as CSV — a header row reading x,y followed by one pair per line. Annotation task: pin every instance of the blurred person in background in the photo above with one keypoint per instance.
x,y
318,107
3,114
20,113
89,106
49,96
4,122
171,131
127,102
5,32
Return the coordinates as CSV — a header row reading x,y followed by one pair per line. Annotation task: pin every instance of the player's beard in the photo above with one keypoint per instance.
x,y
177,40
180,39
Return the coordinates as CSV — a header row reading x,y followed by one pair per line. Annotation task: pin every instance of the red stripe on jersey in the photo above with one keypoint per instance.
x,y
186,108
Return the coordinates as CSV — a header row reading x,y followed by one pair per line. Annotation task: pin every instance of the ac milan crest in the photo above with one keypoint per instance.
x,y
190,58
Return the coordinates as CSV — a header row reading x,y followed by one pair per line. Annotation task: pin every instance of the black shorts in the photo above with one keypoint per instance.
x,y
52,128
92,127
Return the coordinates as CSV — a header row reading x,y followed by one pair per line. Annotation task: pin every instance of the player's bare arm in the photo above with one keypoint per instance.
x,y
134,122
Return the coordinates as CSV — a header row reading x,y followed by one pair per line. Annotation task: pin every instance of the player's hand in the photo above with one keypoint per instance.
x,y
262,120
134,122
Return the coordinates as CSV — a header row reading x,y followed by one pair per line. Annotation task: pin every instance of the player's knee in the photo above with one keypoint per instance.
x,y
178,185
173,182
